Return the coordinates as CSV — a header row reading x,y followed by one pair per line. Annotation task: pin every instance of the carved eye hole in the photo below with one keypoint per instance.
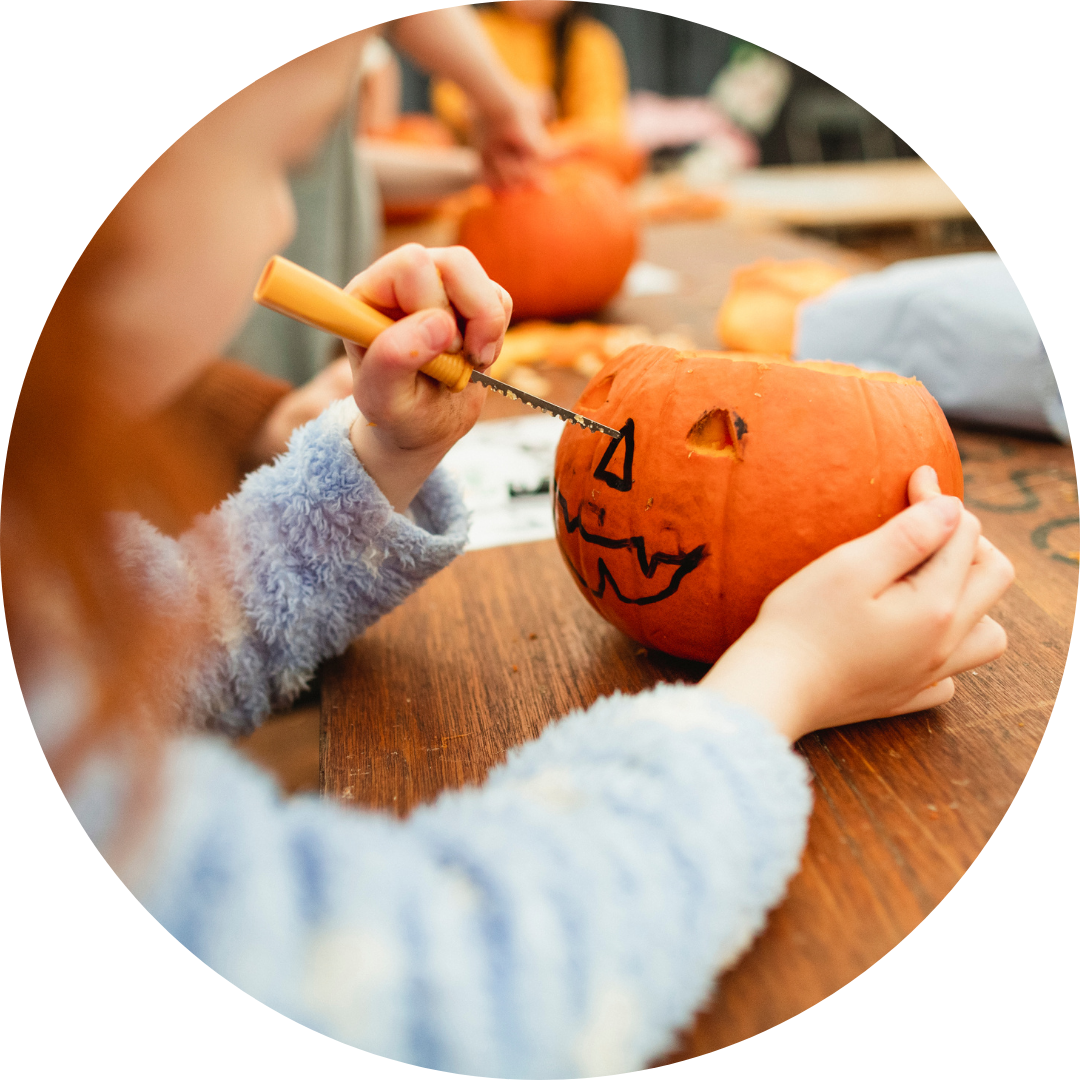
x,y
717,433
597,395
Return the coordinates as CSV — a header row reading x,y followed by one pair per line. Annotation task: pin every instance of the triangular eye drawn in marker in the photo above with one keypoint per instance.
x,y
626,441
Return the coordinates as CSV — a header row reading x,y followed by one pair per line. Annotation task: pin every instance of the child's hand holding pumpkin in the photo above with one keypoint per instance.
x,y
876,627
444,303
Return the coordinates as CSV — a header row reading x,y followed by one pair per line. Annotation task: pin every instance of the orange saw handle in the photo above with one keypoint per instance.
x,y
308,298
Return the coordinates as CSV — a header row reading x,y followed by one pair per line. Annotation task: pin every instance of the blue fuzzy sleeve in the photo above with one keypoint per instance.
x,y
564,919
288,571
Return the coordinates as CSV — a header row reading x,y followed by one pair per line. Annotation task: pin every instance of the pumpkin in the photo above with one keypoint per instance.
x,y
560,246
758,313
625,161
733,472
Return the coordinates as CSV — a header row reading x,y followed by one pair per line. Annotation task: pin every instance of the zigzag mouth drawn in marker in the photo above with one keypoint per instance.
x,y
622,482
684,563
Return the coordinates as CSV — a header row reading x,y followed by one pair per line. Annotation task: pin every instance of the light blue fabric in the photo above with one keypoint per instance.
x,y
564,919
957,323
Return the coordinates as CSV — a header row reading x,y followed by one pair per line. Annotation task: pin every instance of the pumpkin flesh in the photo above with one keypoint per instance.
x,y
758,313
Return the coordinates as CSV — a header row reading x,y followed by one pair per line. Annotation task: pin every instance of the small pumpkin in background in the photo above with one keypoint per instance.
x,y
734,471
560,246
758,313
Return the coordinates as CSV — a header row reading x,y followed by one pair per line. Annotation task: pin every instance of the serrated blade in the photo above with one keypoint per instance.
x,y
568,415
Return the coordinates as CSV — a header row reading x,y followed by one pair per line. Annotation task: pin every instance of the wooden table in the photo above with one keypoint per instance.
x,y
844,193
704,253
895,209
500,644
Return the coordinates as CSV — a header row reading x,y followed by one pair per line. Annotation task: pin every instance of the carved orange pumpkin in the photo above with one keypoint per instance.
x,y
758,313
734,471
561,246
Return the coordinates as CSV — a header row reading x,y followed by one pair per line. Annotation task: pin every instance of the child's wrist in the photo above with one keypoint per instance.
x,y
398,473
769,679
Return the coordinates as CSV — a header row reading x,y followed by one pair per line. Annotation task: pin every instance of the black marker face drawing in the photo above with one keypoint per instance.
x,y
626,443
643,577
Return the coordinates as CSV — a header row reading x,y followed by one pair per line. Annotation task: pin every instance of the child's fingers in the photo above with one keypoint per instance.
x,y
477,298
507,301
930,698
879,559
413,278
404,280
961,582
942,577
984,642
988,579
923,484
408,279
954,590
508,310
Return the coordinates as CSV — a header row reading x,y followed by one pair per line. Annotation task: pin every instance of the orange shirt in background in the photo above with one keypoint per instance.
x,y
595,84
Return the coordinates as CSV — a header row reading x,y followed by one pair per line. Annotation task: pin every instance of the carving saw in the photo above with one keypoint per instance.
x,y
291,290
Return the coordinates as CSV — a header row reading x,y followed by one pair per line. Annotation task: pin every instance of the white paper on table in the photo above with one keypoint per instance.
x,y
500,457
648,279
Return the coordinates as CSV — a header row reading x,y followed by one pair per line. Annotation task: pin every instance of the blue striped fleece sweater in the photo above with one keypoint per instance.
x,y
564,919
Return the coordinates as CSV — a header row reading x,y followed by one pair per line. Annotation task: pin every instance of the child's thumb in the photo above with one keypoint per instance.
x,y
906,540
923,484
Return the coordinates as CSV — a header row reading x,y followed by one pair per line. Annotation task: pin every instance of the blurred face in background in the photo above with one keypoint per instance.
x,y
186,244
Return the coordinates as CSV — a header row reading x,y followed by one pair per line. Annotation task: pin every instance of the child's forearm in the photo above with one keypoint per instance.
x,y
321,556
775,682
452,43
287,572
564,919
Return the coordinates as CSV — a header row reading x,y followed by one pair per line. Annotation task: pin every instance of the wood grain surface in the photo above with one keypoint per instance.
x,y
844,193
903,806
704,253
501,643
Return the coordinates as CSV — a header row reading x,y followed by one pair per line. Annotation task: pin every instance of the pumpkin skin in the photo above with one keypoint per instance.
x,y
743,468
622,159
758,312
561,247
